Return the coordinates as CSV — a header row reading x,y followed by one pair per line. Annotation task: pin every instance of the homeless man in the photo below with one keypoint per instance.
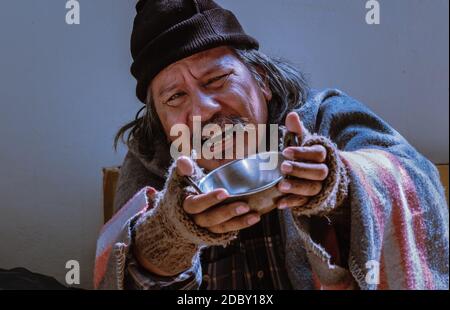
x,y
359,207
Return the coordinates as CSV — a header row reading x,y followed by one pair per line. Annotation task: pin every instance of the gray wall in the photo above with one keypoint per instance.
x,y
65,90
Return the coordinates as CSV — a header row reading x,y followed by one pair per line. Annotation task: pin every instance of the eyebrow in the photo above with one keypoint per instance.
x,y
167,89
170,87
215,67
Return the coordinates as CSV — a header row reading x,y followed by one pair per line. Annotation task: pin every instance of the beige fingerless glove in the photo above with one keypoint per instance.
x,y
334,188
166,236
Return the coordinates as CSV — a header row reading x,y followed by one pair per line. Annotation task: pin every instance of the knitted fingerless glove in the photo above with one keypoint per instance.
x,y
166,236
334,187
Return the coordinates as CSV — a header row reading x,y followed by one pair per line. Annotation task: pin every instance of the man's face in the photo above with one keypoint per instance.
x,y
214,85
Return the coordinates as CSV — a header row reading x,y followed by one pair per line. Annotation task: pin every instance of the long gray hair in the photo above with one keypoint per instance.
x,y
289,91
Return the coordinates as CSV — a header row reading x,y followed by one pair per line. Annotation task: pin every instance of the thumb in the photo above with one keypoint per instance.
x,y
185,166
294,124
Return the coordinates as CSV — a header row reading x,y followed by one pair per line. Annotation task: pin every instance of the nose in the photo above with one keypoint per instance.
x,y
205,106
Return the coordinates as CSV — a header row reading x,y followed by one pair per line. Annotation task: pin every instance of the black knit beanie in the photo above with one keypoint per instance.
x,y
165,31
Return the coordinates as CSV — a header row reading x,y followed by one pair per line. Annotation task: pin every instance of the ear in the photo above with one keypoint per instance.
x,y
265,87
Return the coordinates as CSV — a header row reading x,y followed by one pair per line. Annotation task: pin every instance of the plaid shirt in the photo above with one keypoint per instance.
x,y
254,260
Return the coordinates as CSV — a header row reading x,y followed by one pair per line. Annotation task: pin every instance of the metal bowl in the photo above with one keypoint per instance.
x,y
244,177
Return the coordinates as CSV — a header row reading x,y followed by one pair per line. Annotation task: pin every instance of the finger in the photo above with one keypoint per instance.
x,y
195,204
291,201
236,223
300,187
309,171
185,166
294,124
221,214
151,192
315,153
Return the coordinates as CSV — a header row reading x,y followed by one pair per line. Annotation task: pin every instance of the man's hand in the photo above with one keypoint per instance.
x,y
205,212
305,166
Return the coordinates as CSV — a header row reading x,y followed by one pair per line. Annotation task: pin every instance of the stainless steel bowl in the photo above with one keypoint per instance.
x,y
244,177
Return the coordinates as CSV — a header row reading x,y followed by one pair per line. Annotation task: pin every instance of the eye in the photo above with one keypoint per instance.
x,y
174,97
216,81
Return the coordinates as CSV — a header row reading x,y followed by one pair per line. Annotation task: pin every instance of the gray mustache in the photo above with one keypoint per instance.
x,y
226,120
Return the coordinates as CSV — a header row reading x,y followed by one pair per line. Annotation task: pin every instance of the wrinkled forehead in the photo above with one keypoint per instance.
x,y
198,65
